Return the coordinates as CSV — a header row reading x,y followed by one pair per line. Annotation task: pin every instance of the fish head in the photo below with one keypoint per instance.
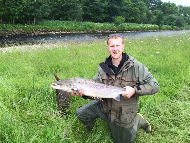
x,y
64,84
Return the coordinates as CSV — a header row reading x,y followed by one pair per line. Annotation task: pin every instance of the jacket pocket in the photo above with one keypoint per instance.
x,y
128,113
127,116
107,80
129,81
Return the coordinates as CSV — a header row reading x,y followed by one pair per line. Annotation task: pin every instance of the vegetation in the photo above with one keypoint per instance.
x,y
98,11
73,26
28,107
169,120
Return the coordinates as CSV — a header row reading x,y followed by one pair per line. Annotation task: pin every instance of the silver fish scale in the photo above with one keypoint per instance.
x,y
93,84
93,88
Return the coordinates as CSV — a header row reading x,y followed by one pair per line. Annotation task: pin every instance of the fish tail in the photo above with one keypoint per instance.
x,y
56,77
117,98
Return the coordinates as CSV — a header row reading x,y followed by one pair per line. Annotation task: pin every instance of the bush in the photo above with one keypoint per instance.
x,y
118,20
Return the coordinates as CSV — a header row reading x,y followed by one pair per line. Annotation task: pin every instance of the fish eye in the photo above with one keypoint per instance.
x,y
53,84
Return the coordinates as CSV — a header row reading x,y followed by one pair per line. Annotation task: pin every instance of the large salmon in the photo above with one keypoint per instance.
x,y
90,87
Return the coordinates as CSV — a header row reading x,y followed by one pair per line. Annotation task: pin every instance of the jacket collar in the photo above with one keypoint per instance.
x,y
107,64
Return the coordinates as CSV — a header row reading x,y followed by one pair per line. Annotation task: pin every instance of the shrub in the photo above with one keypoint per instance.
x,y
118,20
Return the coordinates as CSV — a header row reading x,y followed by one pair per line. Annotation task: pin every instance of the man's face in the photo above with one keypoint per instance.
x,y
115,47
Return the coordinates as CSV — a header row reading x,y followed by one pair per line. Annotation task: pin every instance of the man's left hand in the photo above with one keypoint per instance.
x,y
130,91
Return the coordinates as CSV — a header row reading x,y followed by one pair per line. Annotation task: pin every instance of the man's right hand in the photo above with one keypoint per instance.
x,y
77,92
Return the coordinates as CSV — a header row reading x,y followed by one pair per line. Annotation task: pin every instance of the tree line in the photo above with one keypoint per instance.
x,y
98,11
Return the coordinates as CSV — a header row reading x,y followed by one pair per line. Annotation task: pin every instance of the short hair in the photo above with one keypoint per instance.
x,y
115,36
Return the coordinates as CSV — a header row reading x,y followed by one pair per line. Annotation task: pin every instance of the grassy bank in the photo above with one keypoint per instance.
x,y
170,120
73,26
28,106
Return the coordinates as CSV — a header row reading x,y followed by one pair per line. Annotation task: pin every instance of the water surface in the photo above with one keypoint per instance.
x,y
4,41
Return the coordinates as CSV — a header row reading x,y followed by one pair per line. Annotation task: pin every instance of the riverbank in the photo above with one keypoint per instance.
x,y
55,27
36,32
9,42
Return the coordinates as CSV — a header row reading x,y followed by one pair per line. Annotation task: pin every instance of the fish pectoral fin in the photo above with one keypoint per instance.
x,y
117,98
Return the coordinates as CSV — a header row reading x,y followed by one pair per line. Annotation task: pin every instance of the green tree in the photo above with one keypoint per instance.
x,y
132,11
70,10
3,10
179,21
135,11
169,8
56,10
185,13
41,10
153,4
171,20
21,11
95,10
149,17
119,20
14,8
158,17
28,12
114,8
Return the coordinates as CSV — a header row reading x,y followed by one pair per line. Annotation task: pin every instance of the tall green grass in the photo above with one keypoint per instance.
x,y
28,108
73,26
169,120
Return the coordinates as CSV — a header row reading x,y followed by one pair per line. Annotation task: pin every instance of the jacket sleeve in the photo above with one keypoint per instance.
x,y
97,77
148,85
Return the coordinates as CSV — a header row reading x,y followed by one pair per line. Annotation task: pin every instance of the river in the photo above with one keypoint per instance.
x,y
9,40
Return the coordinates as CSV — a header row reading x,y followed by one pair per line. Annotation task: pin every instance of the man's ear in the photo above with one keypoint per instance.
x,y
123,46
108,47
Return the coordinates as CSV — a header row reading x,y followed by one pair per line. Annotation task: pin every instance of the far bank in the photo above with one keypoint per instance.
x,y
55,27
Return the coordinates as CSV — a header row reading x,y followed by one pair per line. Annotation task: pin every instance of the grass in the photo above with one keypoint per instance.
x,y
28,108
73,26
170,120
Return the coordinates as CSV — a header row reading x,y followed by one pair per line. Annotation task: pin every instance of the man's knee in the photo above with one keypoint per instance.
x,y
86,109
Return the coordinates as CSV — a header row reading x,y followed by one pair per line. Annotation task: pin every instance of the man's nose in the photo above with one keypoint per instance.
x,y
115,47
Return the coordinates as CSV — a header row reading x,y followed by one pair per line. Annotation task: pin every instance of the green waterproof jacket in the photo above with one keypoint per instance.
x,y
134,74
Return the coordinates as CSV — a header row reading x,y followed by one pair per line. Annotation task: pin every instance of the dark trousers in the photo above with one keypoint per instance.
x,y
88,113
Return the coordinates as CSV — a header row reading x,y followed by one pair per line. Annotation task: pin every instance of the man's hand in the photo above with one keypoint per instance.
x,y
130,91
77,92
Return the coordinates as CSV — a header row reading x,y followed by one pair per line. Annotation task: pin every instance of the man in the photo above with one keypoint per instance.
x,y
122,70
